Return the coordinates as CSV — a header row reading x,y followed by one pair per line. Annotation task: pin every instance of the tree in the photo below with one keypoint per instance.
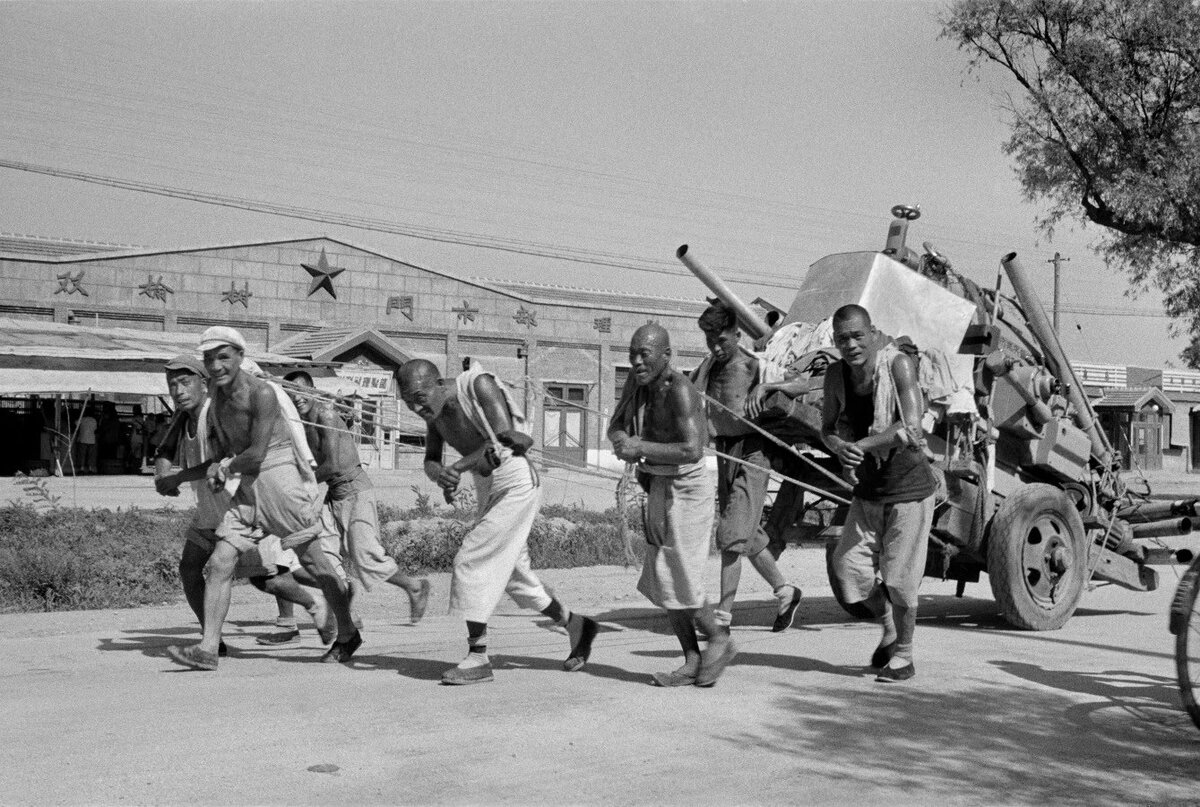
x,y
1106,127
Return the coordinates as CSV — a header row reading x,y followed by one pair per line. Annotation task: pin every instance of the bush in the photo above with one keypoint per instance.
x,y
70,558
562,537
66,559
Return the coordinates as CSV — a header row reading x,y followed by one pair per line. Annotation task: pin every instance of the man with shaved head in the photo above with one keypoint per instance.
x,y
660,425
871,421
477,415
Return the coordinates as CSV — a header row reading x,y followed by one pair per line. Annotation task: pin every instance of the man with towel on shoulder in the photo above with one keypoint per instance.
x,y
872,423
258,431
660,425
478,417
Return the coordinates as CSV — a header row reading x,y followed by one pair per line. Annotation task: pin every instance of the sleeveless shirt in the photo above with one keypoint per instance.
x,y
903,474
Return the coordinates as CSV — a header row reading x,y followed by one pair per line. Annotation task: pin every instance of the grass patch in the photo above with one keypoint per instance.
x,y
67,559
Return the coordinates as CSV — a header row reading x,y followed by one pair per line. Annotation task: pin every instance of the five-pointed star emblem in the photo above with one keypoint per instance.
x,y
322,275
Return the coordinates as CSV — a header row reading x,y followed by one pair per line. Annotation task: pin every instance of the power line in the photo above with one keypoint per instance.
x,y
517,246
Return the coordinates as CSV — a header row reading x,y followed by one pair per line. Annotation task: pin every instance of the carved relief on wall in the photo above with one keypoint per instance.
x,y
155,289
402,303
236,295
465,312
70,283
602,324
526,317
322,275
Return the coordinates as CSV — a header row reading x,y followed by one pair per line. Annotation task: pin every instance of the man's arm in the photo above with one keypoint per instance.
x,y
164,456
619,423
435,447
688,414
908,428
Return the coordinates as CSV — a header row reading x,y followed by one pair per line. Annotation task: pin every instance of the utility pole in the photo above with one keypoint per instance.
x,y
1057,260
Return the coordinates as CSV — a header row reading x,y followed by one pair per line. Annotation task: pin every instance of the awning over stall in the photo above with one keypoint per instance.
x,y
51,358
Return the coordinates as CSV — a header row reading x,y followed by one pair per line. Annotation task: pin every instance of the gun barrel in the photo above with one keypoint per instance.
x,y
751,323
1040,326
1154,511
1163,529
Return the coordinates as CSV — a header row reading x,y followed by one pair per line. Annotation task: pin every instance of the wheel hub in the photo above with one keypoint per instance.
x,y
1047,557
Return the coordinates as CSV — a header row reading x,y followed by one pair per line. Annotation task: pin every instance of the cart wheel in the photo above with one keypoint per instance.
x,y
1185,624
1037,557
854,609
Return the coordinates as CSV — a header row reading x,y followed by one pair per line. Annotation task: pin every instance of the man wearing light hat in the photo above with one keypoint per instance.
x,y
277,494
187,446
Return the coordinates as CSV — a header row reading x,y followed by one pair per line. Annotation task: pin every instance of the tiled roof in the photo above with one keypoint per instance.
x,y
40,246
1133,398
305,345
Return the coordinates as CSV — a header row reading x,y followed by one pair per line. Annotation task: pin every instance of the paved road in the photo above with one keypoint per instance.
x,y
94,713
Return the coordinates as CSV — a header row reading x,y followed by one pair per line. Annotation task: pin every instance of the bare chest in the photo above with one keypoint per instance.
x,y
457,429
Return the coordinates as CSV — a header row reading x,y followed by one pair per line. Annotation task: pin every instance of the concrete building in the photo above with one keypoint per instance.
x,y
564,350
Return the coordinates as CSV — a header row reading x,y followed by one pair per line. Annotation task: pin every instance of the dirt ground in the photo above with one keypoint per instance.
x,y
563,486
95,713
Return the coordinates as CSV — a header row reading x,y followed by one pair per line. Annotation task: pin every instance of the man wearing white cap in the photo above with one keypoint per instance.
x,y
186,445
277,494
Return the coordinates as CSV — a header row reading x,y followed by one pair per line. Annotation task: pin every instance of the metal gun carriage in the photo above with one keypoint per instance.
x,y
1033,492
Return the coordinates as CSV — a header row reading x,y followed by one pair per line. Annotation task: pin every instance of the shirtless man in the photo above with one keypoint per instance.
x,y
478,417
882,451
659,424
277,494
186,446
350,500
728,375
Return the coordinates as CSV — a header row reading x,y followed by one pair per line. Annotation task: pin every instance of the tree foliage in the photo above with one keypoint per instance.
x,y
1104,128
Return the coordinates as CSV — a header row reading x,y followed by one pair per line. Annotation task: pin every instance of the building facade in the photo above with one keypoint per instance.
x,y
565,351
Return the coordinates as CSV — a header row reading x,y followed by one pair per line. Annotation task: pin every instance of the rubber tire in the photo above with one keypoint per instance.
x,y
1014,522
1183,614
854,609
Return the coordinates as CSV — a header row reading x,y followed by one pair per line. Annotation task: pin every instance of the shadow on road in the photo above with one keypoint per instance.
x,y
1089,738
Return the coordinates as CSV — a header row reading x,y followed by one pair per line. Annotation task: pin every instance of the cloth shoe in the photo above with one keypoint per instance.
x,y
784,619
460,676
675,678
280,639
581,650
340,652
192,656
892,674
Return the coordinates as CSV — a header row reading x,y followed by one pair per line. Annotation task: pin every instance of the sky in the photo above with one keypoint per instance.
x,y
600,135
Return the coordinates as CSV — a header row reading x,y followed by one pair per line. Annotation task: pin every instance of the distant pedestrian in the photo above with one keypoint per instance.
x,y
85,441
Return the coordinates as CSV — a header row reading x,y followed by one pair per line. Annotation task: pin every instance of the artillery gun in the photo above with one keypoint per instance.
x,y
1033,491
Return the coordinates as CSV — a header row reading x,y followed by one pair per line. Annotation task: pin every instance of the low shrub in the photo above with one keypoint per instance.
x,y
64,559
562,537
69,558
